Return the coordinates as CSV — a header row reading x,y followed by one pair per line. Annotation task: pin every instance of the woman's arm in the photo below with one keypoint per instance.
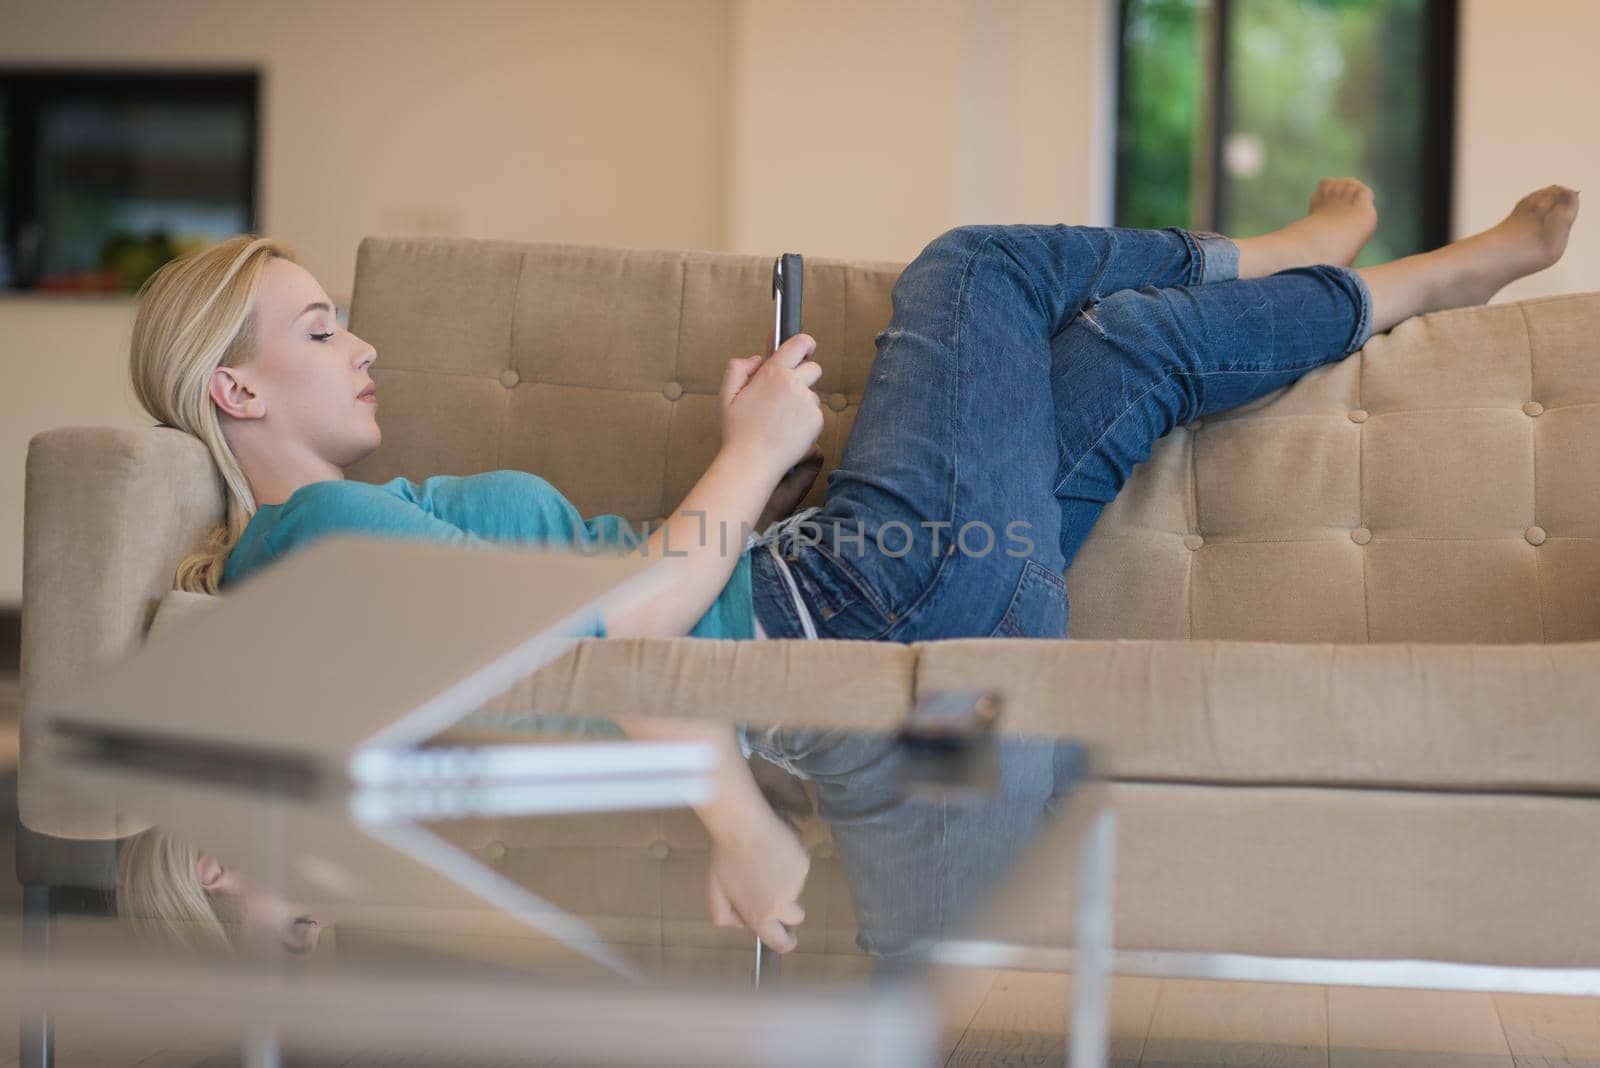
x,y
770,418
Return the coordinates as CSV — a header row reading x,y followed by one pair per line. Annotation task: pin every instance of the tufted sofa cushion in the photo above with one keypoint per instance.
x,y
596,368
1437,486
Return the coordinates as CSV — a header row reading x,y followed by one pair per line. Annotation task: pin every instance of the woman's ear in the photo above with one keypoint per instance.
x,y
229,391
209,871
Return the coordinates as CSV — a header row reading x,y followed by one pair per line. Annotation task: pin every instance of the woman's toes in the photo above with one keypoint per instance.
x,y
1342,194
1342,219
1542,221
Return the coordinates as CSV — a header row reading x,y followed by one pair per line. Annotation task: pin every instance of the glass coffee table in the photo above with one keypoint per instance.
x,y
345,863
538,891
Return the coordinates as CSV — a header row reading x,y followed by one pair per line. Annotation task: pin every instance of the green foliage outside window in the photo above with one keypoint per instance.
x,y
1311,88
1161,88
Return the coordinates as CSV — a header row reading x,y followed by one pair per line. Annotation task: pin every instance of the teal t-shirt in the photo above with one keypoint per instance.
x,y
496,506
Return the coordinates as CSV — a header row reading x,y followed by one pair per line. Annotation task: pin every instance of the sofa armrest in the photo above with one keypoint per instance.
x,y
108,514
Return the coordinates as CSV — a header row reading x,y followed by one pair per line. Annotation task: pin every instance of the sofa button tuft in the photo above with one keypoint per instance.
x,y
1193,542
672,390
1361,535
838,401
1358,415
509,377
495,851
1535,535
1533,408
659,850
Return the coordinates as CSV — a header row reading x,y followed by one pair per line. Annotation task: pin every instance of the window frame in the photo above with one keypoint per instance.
x,y
1441,36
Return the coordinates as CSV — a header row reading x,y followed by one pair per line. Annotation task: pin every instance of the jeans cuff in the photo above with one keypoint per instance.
x,y
1218,255
1363,331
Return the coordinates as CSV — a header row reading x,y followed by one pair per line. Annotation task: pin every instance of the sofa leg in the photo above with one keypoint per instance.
x,y
37,1044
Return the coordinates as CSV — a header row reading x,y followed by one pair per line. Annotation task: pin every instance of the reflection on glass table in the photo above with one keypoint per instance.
x,y
632,860
557,854
170,891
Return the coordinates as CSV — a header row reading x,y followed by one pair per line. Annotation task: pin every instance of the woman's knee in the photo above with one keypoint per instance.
x,y
962,240
950,250
966,259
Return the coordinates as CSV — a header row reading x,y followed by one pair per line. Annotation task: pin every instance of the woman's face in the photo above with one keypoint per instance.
x,y
264,918
302,387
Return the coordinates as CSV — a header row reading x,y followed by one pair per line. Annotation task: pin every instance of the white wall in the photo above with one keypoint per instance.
x,y
855,128
898,119
1528,115
63,360
601,121
910,116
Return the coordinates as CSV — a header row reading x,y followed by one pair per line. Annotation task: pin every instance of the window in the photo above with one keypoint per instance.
x,y
1230,110
104,176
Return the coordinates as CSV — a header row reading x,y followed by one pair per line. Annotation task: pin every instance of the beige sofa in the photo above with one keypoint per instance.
x,y
1343,645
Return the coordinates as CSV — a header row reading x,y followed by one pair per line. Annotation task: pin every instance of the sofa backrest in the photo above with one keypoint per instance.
x,y
596,369
1438,486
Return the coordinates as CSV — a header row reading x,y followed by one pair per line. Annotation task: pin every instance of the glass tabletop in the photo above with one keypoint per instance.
x,y
815,873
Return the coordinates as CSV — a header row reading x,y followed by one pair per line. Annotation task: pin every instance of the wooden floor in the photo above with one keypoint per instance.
x,y
1018,1022
1164,1022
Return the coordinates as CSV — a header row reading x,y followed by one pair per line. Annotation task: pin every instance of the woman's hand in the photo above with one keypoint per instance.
x,y
757,872
770,414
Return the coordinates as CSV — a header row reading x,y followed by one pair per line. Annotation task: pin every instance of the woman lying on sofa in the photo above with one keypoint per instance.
x,y
1024,373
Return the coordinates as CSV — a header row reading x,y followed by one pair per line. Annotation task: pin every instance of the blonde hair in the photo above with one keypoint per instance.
x,y
159,895
197,314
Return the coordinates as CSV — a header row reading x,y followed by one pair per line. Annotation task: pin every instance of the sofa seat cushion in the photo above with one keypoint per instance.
x,y
866,684
1426,715
1429,716
813,683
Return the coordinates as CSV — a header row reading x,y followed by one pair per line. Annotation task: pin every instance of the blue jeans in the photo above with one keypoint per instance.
x,y
918,863
1025,371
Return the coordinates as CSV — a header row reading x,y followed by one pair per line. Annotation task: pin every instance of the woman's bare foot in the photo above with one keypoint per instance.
x,y
1531,238
1474,269
1342,218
